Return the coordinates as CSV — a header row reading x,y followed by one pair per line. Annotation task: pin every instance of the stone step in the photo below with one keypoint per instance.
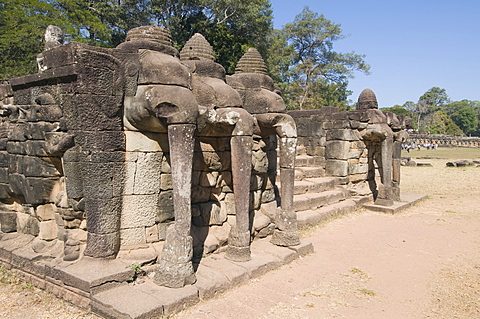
x,y
214,274
314,185
311,171
314,217
311,201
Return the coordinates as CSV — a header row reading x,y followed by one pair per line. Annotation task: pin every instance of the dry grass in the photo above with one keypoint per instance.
x,y
19,300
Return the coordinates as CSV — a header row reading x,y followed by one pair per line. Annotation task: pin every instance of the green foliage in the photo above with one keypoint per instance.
x,y
399,110
23,23
435,113
435,98
137,271
440,123
467,119
231,26
316,74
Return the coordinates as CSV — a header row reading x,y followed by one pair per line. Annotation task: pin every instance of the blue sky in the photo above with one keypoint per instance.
x,y
411,45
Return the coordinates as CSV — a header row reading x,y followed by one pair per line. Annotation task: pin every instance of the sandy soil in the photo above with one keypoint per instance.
x,y
420,263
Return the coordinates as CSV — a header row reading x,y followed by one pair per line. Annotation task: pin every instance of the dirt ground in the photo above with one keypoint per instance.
x,y
420,263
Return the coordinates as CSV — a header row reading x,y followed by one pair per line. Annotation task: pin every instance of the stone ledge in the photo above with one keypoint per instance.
x,y
406,200
81,282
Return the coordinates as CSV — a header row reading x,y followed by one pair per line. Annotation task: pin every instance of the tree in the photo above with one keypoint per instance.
x,y
430,102
455,106
399,110
435,98
314,65
440,123
23,23
231,26
120,16
467,119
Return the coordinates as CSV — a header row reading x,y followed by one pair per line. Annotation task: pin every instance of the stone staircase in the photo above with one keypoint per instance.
x,y
318,197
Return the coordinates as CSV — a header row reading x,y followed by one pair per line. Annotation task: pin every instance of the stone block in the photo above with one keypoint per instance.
x,y
165,206
268,195
140,210
17,133
208,179
212,214
357,169
146,142
36,130
92,112
260,220
27,224
38,190
102,245
343,135
4,191
100,141
8,222
100,222
4,159
36,148
147,174
4,175
46,212
336,168
132,236
128,178
39,167
200,194
108,157
99,178
48,230
152,234
16,148
337,150
166,182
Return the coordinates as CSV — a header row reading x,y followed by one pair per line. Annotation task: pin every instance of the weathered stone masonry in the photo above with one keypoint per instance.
x,y
144,149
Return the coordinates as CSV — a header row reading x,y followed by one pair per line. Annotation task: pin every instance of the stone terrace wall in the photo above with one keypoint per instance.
x,y
443,140
333,138
74,178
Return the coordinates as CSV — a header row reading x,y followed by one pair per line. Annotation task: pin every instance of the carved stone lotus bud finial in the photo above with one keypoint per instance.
x,y
367,100
251,62
151,33
197,48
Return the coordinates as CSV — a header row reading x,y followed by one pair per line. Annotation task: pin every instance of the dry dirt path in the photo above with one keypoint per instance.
x,y
420,263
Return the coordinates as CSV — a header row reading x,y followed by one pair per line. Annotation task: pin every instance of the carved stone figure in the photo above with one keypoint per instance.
x,y
53,38
161,101
221,106
378,137
261,98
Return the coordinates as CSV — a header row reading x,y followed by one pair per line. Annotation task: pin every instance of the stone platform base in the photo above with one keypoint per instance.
x,y
406,200
105,286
